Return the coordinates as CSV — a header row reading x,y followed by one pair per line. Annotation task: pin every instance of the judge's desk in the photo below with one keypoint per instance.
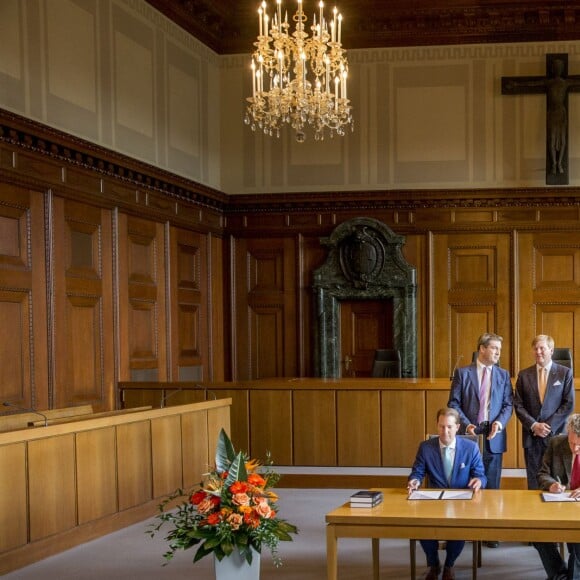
x,y
492,514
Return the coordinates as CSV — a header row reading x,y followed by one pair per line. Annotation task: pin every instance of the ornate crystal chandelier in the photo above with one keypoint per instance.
x,y
297,79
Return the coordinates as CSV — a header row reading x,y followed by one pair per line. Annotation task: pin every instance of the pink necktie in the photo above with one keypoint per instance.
x,y
483,388
575,477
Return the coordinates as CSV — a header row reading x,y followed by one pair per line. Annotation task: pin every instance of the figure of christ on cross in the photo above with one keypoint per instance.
x,y
555,85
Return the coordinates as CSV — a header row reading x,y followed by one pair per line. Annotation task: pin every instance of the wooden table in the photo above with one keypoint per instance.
x,y
504,515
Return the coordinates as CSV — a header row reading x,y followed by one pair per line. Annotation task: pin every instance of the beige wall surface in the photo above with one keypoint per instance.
x,y
118,73
427,118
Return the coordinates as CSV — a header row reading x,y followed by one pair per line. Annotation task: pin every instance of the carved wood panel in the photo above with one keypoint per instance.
x,y
82,325
265,305
23,314
549,272
471,295
142,303
189,296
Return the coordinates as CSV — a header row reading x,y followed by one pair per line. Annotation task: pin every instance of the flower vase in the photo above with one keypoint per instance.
x,y
235,567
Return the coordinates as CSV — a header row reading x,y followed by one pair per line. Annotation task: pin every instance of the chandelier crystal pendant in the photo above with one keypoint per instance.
x,y
299,79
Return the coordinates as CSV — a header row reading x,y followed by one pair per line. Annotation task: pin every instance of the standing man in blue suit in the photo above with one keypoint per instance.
x,y
450,462
542,405
482,394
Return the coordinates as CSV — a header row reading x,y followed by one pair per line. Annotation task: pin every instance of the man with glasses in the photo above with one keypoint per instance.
x,y
559,473
482,394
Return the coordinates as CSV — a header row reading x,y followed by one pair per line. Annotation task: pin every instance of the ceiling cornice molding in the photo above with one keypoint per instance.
x,y
230,26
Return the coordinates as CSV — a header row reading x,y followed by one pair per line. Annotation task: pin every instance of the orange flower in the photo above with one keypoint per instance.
x,y
239,487
257,480
213,519
252,465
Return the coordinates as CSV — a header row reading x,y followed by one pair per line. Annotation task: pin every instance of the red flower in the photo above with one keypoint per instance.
x,y
197,497
214,519
252,519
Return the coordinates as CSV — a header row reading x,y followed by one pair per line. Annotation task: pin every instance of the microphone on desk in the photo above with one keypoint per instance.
x,y
455,366
207,391
165,397
26,410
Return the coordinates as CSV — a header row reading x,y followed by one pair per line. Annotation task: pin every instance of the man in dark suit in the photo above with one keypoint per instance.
x,y
542,405
557,475
482,394
449,462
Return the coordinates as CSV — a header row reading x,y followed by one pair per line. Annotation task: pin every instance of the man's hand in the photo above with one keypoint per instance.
x,y
470,430
557,487
541,429
412,485
474,484
495,429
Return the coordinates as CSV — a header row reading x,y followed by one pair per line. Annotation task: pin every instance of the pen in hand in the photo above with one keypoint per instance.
x,y
561,488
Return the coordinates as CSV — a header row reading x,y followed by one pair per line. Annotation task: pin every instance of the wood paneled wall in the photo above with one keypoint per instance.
x,y
112,270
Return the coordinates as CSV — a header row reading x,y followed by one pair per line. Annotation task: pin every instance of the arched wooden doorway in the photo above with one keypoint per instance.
x,y
364,263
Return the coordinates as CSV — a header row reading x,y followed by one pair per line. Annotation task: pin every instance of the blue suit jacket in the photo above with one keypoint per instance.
x,y
464,396
467,464
558,400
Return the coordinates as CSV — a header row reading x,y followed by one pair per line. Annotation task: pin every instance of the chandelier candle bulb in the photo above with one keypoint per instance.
x,y
300,60
253,78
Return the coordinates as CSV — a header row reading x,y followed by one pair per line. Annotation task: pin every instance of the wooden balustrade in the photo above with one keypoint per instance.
x,y
70,482
327,422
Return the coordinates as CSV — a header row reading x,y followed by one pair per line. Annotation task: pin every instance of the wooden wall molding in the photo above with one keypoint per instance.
x,y
33,154
38,156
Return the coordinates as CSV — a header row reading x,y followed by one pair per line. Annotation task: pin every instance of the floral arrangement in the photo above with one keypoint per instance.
x,y
232,508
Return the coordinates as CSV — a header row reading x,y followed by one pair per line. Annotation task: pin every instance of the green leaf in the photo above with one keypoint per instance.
x,y
237,470
224,453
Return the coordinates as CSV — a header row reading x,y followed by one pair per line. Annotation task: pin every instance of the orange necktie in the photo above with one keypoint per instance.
x,y
542,387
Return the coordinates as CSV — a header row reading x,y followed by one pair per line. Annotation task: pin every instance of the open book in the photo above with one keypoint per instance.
x,y
441,494
546,496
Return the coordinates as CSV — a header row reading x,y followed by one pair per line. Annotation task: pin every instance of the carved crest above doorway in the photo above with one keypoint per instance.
x,y
365,262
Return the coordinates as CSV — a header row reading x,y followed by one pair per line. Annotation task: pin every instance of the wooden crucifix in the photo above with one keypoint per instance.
x,y
555,85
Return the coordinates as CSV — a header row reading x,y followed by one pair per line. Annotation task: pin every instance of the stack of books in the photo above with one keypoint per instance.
x,y
366,499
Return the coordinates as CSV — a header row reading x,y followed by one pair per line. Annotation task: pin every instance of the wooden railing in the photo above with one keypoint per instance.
x,y
67,483
325,422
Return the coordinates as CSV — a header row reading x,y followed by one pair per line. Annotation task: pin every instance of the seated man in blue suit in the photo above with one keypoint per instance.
x,y
449,462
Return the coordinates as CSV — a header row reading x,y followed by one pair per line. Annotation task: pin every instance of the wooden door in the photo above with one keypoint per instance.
x,y
365,325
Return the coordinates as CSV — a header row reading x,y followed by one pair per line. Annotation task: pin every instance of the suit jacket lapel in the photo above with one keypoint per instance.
x,y
567,459
474,379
